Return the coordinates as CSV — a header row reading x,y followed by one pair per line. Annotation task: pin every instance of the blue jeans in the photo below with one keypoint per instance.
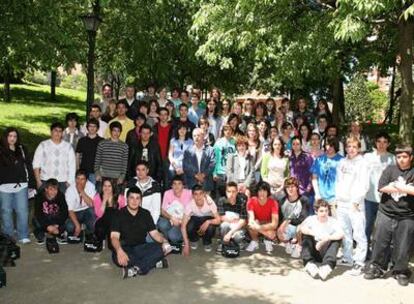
x,y
86,217
145,256
92,178
172,233
371,210
17,202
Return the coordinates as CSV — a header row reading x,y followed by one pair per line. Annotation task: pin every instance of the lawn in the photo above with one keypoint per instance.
x,y
32,111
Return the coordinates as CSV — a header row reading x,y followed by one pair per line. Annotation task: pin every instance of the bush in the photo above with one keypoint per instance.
x,y
358,101
75,82
38,77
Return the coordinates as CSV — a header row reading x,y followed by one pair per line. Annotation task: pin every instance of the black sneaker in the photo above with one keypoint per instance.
x,y
374,272
162,264
40,241
62,239
128,272
402,279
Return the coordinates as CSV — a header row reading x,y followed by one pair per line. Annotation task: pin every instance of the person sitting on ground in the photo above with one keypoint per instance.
x,y
294,209
50,213
79,198
130,227
263,215
395,219
106,204
173,206
233,215
321,235
150,190
200,220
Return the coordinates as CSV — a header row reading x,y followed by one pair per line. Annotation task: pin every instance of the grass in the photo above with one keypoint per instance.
x,y
32,111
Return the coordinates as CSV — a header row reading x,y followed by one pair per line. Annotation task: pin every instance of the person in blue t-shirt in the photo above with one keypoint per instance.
x,y
324,172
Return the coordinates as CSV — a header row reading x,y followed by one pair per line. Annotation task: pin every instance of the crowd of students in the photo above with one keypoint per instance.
x,y
149,175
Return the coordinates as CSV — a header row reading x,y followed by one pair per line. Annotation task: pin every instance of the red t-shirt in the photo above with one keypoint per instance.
x,y
163,140
263,213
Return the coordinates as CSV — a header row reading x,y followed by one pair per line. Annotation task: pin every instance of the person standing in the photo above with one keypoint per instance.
x,y
54,158
126,123
395,219
15,175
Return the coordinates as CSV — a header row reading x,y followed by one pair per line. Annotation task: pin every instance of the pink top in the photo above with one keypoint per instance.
x,y
170,198
97,205
209,208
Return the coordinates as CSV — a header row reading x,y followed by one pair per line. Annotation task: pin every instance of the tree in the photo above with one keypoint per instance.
x,y
356,20
358,102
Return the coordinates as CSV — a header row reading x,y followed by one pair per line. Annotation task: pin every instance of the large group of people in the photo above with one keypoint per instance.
x,y
149,175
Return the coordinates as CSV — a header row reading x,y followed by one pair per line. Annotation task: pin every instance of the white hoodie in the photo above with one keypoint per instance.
x,y
352,181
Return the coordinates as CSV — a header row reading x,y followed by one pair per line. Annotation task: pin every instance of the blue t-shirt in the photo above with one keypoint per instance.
x,y
325,170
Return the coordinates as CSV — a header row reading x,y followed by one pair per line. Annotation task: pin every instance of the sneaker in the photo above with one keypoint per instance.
x,y
25,241
208,248
356,270
374,272
402,279
324,272
162,264
268,246
62,240
129,272
346,263
72,239
253,246
40,241
288,248
312,269
194,245
297,250
219,248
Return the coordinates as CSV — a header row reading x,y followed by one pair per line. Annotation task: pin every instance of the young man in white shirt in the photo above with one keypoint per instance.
x,y
54,158
79,198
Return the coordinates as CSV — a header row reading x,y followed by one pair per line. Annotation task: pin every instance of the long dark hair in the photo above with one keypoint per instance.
x,y
114,193
216,109
8,156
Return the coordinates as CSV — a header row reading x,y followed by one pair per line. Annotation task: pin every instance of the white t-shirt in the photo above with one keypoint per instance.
x,y
74,200
322,230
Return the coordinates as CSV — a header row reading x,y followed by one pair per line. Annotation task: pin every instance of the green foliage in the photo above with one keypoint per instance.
x,y
379,101
32,111
358,102
74,82
37,77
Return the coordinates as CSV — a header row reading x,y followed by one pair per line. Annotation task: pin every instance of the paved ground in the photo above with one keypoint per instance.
x,y
74,276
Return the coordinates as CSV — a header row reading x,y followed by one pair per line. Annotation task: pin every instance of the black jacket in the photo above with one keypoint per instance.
x,y
153,157
50,212
16,166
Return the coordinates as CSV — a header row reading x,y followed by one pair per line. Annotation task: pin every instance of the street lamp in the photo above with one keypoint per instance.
x,y
91,23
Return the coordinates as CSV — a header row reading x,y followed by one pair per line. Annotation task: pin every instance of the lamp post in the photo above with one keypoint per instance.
x,y
91,22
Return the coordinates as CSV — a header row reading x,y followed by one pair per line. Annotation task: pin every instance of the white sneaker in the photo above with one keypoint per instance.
x,y
312,269
208,248
268,246
324,272
345,263
356,270
194,245
296,251
25,241
288,248
253,246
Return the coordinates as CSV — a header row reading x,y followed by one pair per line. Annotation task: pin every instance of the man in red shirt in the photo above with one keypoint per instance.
x,y
163,133
263,218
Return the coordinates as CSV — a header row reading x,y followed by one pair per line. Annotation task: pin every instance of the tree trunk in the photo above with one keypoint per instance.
x,y
405,48
53,76
7,79
338,110
390,113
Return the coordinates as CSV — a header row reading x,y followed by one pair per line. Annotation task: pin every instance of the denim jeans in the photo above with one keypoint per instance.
x,y
225,228
86,217
17,202
194,225
39,231
172,233
92,178
145,256
353,224
371,209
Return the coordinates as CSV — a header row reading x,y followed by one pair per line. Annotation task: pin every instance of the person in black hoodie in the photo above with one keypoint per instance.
x,y
146,150
15,174
50,212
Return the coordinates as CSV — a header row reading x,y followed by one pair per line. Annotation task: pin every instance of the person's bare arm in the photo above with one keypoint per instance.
x,y
122,257
74,219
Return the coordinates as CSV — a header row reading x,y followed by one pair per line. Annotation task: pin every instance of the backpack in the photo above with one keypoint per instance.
x,y
92,244
52,246
230,249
